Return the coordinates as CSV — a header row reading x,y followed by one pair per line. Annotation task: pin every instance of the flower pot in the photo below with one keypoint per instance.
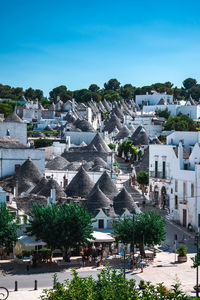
x,y
182,259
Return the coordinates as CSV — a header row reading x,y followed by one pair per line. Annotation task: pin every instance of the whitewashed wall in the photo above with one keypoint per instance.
x,y
11,157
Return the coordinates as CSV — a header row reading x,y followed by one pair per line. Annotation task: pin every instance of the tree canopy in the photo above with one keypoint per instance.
x,y
143,178
165,113
147,228
60,225
180,122
8,229
40,143
112,91
110,285
189,83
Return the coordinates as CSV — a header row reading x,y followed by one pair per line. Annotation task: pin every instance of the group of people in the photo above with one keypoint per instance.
x,y
137,262
92,254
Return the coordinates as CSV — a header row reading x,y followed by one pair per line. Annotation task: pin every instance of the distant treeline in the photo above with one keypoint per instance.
x,y
112,90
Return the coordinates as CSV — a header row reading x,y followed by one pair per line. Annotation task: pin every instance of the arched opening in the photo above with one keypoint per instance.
x,y
155,194
164,198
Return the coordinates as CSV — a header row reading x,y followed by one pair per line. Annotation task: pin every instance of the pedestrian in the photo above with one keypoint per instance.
x,y
83,260
31,259
90,259
134,263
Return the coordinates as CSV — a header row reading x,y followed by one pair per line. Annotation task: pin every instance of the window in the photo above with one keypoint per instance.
x,y
172,141
156,168
192,190
185,166
171,190
101,224
176,202
176,186
198,220
184,190
163,169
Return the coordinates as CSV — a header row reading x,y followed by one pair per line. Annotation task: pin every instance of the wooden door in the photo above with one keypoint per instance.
x,y
184,217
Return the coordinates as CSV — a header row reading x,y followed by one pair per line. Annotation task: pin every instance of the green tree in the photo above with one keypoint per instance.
x,y
111,95
143,179
112,84
147,228
32,94
194,92
110,285
8,229
6,109
189,83
124,230
127,91
180,123
163,113
62,92
40,143
94,88
61,225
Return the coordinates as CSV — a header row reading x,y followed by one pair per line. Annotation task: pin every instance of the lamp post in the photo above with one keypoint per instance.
x,y
133,234
124,261
197,268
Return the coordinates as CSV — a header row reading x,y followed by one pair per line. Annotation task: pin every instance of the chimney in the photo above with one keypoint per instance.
x,y
53,195
73,104
180,154
16,189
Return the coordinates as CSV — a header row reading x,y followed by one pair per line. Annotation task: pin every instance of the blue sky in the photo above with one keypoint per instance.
x,y
46,43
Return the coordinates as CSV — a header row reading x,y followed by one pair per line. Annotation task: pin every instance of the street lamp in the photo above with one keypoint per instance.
x,y
197,268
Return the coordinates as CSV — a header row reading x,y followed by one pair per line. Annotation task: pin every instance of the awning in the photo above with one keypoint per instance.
x,y
30,241
101,237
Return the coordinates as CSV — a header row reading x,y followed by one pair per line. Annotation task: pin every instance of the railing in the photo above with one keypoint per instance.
x,y
158,174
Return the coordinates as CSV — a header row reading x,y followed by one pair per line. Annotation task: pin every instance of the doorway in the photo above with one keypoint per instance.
x,y
184,217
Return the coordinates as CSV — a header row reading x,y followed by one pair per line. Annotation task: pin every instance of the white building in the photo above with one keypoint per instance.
x,y
174,176
14,127
192,111
153,99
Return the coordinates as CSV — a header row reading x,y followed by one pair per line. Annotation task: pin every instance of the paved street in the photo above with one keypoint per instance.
x,y
26,281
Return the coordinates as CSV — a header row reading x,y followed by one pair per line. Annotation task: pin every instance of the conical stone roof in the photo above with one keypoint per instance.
x,y
84,125
28,175
29,171
58,163
124,201
140,137
123,133
80,185
99,144
100,162
13,118
39,186
113,122
52,184
106,185
97,199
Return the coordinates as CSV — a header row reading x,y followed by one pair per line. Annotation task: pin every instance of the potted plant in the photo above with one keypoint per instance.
x,y
182,254
142,284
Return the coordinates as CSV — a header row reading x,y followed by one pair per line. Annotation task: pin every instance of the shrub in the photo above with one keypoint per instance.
x,y
19,255
111,146
110,284
26,253
182,250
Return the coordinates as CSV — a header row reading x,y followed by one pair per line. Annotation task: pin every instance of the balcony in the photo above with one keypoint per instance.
x,y
158,174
